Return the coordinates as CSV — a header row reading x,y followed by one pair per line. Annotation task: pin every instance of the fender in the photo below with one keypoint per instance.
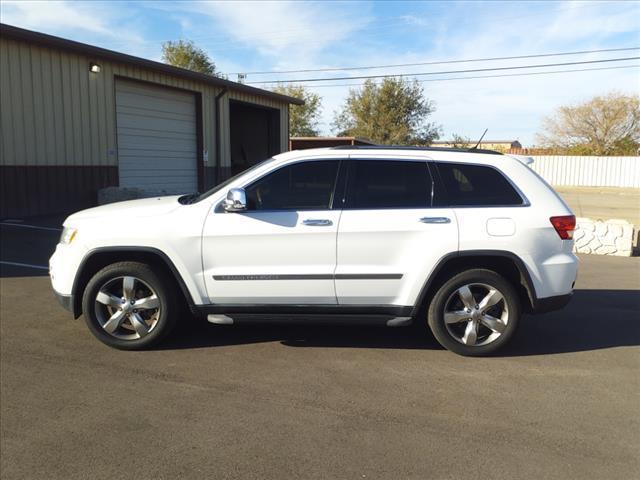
x,y
76,300
520,265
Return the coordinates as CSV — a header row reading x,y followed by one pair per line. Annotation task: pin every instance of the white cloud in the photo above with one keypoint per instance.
x,y
55,14
92,22
246,36
287,32
513,106
592,22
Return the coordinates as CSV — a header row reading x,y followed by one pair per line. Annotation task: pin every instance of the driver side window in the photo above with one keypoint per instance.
x,y
300,186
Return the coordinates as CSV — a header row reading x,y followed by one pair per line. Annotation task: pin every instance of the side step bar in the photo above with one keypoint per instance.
x,y
231,319
219,319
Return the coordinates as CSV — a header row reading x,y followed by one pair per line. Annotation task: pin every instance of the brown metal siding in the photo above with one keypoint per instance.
x,y
36,38
39,190
53,110
58,116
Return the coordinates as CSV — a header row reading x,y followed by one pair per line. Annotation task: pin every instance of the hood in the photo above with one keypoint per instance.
x,y
145,207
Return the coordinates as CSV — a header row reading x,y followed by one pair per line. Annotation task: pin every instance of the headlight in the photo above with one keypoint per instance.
x,y
68,234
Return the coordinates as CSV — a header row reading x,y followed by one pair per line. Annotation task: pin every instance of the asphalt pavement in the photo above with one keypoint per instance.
x,y
603,203
320,402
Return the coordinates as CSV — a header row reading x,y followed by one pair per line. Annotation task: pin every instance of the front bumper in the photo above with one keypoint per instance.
x,y
65,300
63,266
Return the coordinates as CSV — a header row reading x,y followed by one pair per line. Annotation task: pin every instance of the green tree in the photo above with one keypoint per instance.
x,y
394,111
604,125
185,54
303,119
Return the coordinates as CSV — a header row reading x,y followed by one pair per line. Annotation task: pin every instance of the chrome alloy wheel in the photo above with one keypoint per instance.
x,y
476,314
127,308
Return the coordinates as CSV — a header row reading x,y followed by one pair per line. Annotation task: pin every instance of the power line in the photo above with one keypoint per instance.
x,y
475,70
491,76
438,62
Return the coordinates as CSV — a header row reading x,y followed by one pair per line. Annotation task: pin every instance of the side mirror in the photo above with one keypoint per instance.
x,y
236,200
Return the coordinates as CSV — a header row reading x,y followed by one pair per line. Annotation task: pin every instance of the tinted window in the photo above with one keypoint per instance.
x,y
388,184
469,185
301,186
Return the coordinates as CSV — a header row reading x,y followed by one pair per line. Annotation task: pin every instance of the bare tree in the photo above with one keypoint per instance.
x,y
459,141
604,125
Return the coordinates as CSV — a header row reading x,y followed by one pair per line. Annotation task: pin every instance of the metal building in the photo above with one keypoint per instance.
x,y
303,143
75,118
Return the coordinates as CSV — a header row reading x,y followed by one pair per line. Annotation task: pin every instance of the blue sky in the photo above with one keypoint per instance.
x,y
256,36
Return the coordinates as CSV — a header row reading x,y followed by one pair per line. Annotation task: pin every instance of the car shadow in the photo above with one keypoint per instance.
x,y
202,335
595,319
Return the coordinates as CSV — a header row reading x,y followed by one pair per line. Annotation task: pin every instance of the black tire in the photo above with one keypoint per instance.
x,y
446,294
147,279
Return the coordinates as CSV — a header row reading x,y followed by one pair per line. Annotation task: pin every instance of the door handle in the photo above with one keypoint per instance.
x,y
314,222
435,220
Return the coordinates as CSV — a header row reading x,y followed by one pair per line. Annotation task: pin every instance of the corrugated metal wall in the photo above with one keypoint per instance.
x,y
589,171
55,113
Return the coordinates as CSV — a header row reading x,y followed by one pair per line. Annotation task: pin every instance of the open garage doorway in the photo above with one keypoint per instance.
x,y
255,134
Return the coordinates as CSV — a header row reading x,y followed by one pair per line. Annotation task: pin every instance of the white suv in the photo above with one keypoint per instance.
x,y
464,241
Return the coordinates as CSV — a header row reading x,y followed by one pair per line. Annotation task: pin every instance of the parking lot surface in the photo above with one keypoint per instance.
x,y
319,402
603,203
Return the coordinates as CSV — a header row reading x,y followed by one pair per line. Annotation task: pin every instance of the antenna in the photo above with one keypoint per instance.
x,y
477,144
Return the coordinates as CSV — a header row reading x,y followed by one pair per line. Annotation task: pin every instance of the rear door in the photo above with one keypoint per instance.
x,y
488,206
390,236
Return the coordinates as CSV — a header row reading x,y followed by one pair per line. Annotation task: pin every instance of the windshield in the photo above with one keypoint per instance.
x,y
197,197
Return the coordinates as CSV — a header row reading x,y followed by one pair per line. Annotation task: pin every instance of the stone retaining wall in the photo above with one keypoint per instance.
x,y
611,237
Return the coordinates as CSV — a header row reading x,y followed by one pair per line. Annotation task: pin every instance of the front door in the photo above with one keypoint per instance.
x,y
282,250
390,237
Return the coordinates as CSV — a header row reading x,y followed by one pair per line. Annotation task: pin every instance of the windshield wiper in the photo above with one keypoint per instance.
x,y
189,198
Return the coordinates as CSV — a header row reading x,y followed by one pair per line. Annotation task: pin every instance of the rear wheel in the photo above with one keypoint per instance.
x,y
474,313
129,306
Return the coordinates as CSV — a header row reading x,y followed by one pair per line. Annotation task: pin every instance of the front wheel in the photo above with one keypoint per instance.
x,y
128,306
474,313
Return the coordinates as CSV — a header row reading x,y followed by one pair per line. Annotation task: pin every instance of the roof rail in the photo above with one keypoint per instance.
x,y
400,147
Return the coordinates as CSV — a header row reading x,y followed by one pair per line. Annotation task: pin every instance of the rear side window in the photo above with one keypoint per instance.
x,y
378,184
474,185
300,186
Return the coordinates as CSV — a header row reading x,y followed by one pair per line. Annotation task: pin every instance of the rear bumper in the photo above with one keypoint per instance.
x,y
549,304
555,275
65,300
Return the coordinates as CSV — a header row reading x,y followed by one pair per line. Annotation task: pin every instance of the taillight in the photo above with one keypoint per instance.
x,y
564,225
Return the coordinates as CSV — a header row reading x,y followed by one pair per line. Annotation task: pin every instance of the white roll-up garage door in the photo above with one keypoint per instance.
x,y
157,141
